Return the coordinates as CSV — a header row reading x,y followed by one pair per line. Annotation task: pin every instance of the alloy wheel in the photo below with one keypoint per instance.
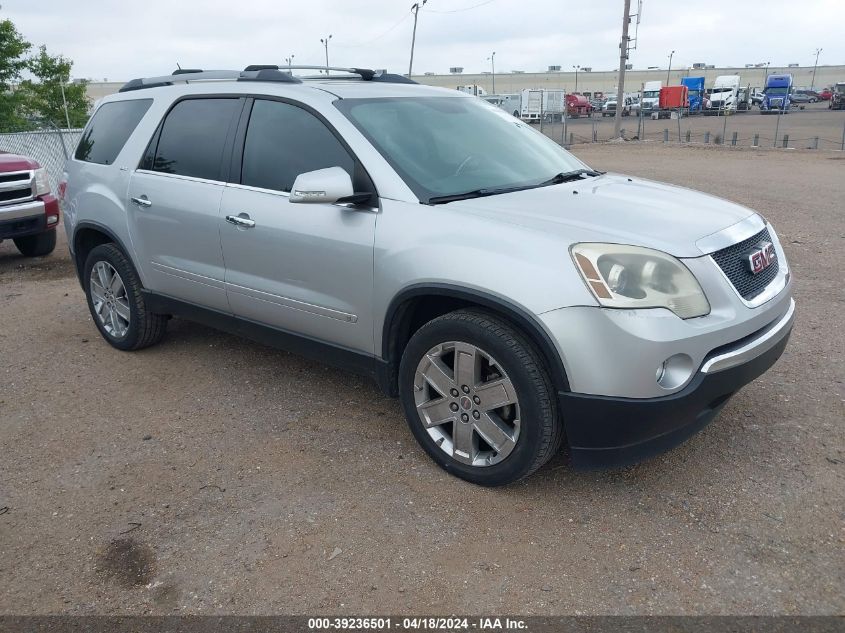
x,y
108,295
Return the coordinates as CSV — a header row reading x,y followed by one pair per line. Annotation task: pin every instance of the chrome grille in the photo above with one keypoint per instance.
x,y
732,261
16,187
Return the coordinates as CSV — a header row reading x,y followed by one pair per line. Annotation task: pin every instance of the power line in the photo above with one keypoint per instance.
x,y
377,37
475,6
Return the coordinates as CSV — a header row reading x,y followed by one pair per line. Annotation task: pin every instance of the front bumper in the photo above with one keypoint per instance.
x,y
28,218
606,431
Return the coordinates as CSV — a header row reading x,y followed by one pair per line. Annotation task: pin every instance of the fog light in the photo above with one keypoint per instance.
x,y
52,219
674,371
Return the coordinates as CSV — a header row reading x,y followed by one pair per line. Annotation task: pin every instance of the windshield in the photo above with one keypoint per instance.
x,y
723,89
776,91
651,94
443,146
693,93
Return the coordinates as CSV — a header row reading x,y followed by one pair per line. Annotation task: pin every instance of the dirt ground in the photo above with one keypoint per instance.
x,y
211,475
801,127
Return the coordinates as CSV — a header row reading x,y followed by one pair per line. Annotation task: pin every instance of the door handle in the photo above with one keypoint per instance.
x,y
241,220
143,201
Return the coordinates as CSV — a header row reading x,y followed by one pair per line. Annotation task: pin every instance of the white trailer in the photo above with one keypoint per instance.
x,y
542,104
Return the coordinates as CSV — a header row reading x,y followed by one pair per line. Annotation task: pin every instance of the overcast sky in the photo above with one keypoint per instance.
x,y
121,39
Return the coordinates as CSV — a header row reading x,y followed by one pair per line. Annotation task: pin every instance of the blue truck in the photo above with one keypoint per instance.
x,y
776,94
695,86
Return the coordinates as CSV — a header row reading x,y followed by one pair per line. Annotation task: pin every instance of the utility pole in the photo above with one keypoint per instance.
x,y
576,67
416,9
64,101
813,84
492,60
289,61
623,60
325,42
670,67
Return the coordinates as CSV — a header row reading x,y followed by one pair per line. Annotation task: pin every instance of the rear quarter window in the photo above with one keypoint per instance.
x,y
109,129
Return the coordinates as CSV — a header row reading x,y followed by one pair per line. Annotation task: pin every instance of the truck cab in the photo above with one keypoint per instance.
x,y
724,98
651,96
695,88
776,94
837,97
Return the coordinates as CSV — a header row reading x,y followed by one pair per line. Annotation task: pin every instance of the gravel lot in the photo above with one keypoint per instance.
x,y
211,475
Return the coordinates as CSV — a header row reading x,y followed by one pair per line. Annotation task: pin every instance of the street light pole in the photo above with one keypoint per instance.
x,y
325,42
289,61
576,67
670,67
492,60
416,9
813,84
623,60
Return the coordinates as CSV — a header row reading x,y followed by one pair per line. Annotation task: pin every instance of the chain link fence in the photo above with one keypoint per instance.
x,y
826,131
50,147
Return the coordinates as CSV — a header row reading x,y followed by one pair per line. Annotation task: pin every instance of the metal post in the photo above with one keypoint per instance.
x,y
325,42
813,82
725,122
623,58
842,148
563,121
777,127
571,138
542,114
64,101
666,135
689,134
679,125
815,144
416,9
733,138
707,137
756,142
785,141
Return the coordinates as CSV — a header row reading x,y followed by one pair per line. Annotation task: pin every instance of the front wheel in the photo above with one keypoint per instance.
x,y
478,398
116,302
37,245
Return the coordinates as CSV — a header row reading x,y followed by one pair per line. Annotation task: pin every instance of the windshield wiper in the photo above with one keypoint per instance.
x,y
475,193
569,176
565,176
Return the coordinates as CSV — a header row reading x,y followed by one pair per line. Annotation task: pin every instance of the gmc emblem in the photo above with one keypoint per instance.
x,y
760,257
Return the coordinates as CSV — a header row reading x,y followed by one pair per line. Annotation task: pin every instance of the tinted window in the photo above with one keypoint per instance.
x,y
192,138
108,130
283,141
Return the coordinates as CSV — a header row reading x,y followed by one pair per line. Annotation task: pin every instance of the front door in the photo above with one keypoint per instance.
x,y
303,268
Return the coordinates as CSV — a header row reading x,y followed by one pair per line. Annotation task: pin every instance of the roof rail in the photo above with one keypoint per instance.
x,y
365,74
186,75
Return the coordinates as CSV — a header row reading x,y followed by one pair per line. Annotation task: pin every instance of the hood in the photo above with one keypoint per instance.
x,y
616,209
14,162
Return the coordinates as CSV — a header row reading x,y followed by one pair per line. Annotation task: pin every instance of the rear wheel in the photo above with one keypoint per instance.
x,y
37,245
478,398
116,302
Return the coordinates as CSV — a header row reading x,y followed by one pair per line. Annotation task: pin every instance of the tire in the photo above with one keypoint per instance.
x,y
526,431
37,245
142,328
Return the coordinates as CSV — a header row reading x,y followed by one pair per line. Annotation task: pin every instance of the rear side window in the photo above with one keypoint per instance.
x,y
109,129
283,141
192,138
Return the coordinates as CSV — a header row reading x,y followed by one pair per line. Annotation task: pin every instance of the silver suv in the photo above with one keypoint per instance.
x,y
508,294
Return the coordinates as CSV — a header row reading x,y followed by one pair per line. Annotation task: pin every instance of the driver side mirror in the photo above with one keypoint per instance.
x,y
324,186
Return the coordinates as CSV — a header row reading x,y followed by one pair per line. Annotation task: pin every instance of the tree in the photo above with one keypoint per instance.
x,y
31,86
45,98
13,61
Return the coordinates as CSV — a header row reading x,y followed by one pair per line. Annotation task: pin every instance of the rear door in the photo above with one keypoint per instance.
x,y
304,268
174,200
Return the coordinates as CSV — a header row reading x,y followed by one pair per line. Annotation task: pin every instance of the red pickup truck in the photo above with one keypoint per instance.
x,y
29,213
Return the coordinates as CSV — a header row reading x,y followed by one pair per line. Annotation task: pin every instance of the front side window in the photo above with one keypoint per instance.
x,y
283,141
192,138
109,129
444,146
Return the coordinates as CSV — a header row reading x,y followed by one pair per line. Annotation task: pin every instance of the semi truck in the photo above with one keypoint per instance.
x,y
776,94
673,102
651,97
725,97
695,88
837,97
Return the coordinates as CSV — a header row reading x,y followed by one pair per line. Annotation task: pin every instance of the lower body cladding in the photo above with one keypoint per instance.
x,y
619,430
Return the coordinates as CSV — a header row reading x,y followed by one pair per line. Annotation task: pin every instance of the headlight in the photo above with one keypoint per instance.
x,y
42,182
630,277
